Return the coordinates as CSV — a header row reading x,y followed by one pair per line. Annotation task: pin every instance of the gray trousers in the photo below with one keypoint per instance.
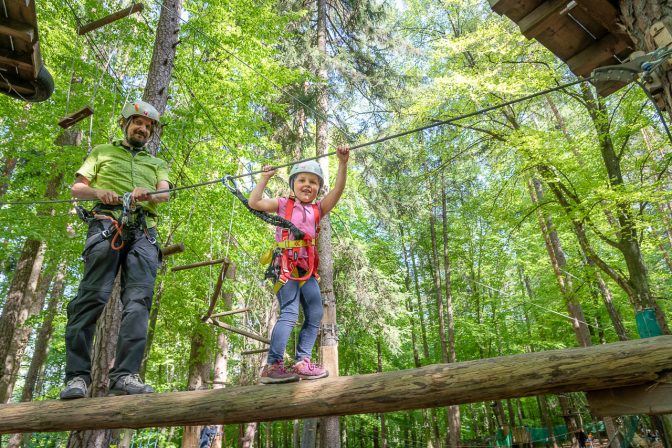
x,y
138,260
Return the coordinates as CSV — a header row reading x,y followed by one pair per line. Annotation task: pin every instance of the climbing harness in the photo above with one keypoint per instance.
x,y
283,258
131,217
290,250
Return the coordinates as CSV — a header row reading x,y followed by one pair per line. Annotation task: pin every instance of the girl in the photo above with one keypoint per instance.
x,y
305,180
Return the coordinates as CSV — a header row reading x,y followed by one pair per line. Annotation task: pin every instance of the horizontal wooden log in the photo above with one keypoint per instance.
x,y
199,264
600,53
109,19
7,60
581,369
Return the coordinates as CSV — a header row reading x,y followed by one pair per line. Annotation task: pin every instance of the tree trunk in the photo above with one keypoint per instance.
x,y
329,426
7,170
542,400
558,262
409,301
220,376
569,418
199,375
421,312
163,59
608,302
628,239
309,436
104,351
453,412
16,311
436,277
44,336
381,417
42,341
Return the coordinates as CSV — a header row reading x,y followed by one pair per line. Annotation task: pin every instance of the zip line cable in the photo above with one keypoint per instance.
x,y
434,124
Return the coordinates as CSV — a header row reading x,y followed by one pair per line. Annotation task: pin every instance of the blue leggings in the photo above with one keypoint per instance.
x,y
289,297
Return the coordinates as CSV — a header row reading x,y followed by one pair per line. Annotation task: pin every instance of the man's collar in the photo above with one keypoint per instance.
x,y
130,148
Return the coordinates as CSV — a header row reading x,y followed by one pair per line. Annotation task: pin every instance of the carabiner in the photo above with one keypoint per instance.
x,y
230,183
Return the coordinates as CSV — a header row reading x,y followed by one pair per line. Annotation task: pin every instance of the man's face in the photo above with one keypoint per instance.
x,y
139,130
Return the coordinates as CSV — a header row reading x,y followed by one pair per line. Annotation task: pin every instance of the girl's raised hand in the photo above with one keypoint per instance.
x,y
268,171
343,153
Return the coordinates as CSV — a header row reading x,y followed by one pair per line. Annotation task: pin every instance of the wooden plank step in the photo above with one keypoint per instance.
x,y
542,18
15,63
19,86
109,19
19,30
75,117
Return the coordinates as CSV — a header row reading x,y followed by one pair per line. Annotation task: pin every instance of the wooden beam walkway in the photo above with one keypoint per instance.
x,y
616,365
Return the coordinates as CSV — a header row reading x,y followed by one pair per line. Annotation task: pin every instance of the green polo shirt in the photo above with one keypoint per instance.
x,y
114,167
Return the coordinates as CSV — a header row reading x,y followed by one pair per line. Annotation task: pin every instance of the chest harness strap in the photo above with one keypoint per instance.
x,y
290,249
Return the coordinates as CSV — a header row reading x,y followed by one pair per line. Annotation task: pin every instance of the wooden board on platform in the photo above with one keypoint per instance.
x,y
584,33
651,399
23,75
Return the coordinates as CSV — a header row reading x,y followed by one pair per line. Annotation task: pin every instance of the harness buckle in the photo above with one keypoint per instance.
x,y
84,214
105,234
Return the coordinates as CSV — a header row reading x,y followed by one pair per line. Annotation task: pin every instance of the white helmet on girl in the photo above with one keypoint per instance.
x,y
309,166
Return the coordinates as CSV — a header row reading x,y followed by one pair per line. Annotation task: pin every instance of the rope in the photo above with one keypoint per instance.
x,y
359,146
275,220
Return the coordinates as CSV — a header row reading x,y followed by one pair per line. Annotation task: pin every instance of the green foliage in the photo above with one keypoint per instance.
x,y
244,74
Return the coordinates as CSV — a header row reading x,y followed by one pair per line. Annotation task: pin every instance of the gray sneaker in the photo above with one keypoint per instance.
x,y
130,385
75,388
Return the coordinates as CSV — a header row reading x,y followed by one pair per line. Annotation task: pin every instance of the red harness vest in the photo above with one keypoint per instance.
x,y
289,260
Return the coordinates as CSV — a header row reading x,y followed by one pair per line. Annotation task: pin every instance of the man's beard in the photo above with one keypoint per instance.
x,y
136,143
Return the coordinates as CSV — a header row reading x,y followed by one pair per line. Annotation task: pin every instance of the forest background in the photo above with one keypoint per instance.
x,y
543,225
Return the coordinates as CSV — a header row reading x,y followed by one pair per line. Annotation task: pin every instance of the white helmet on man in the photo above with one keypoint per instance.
x,y
140,108
309,166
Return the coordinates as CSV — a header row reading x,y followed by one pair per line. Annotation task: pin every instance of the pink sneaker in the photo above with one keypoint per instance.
x,y
310,371
276,373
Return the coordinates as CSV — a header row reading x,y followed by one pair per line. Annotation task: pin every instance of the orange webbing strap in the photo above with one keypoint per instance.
x,y
118,228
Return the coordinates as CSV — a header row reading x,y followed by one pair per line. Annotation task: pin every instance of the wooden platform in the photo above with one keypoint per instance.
x,y
585,36
642,362
22,72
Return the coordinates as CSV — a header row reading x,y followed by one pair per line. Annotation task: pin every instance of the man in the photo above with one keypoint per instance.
x,y
122,236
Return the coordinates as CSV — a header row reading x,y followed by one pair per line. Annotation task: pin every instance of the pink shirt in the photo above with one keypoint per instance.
x,y
303,218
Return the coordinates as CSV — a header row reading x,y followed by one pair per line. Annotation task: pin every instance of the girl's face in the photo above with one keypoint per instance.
x,y
306,187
